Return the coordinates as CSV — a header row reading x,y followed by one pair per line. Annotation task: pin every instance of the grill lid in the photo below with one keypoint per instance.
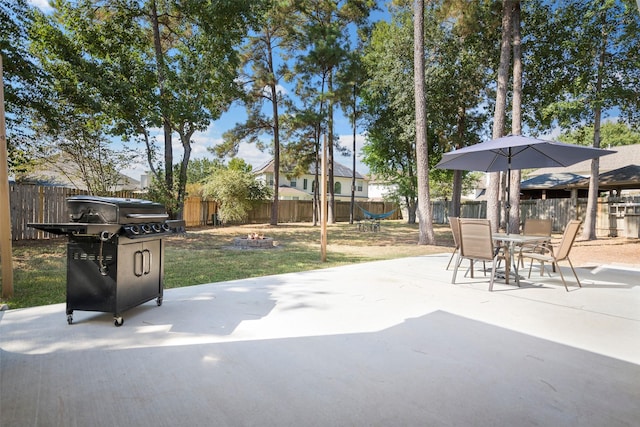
x,y
114,210
105,217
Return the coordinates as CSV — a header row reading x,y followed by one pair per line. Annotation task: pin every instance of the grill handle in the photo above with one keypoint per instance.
x,y
147,216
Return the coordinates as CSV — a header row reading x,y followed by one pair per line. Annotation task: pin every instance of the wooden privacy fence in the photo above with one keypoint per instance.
x,y
560,211
34,203
302,211
198,212
38,203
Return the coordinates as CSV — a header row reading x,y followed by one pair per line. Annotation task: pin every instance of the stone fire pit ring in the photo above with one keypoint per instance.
x,y
246,243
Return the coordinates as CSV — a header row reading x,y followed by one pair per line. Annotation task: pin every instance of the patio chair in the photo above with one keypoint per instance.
x,y
536,227
546,254
455,230
476,244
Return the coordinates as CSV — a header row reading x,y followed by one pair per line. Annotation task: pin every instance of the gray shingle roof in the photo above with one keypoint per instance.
x,y
624,177
338,170
549,180
625,155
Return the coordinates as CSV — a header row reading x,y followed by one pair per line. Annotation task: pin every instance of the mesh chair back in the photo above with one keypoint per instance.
x,y
475,239
568,238
455,230
537,227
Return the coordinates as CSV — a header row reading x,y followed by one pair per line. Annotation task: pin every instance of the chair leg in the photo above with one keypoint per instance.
x,y
561,275
455,269
493,275
455,251
553,268
574,272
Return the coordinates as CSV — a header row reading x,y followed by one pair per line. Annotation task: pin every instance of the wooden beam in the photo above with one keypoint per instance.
x,y
6,256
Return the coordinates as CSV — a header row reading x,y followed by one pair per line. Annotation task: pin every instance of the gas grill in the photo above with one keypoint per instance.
x,y
114,254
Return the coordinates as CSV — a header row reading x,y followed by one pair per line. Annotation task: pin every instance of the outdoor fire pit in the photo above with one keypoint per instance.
x,y
253,241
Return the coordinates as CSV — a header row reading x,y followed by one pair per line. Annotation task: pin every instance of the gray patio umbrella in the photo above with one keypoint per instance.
x,y
517,152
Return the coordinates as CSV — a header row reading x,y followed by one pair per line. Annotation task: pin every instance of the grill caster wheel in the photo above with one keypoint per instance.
x,y
118,321
69,319
159,301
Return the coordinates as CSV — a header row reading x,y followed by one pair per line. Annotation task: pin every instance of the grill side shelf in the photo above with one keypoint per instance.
x,y
76,228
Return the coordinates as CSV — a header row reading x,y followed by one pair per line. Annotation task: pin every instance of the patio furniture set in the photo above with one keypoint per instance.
x,y
474,241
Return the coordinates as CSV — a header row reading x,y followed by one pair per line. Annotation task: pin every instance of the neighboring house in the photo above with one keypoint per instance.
x,y
379,189
624,155
549,186
302,187
618,173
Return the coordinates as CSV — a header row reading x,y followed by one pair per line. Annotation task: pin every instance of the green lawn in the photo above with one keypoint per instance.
x,y
206,255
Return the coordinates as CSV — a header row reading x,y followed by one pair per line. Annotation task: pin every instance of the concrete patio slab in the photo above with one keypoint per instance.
x,y
374,344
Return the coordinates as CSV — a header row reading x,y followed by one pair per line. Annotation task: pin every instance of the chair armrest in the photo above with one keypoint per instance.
x,y
539,248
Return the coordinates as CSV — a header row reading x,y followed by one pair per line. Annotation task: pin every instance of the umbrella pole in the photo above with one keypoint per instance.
x,y
507,199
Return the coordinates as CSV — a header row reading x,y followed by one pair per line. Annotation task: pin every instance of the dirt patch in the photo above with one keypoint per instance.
x,y
607,250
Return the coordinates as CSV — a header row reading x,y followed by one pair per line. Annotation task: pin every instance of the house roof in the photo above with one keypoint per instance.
x,y
624,177
58,179
265,167
339,170
624,155
550,180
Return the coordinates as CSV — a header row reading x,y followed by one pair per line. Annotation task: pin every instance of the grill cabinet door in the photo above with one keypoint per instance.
x,y
139,273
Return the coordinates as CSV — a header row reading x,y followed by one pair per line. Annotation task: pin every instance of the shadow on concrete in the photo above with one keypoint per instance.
x,y
436,369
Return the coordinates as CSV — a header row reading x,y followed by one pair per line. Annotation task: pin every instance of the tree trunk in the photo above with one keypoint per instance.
x,y
166,124
589,230
425,221
185,138
516,117
493,189
316,181
456,193
276,154
331,217
410,202
353,177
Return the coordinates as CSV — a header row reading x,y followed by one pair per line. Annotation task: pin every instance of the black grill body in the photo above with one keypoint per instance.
x,y
115,253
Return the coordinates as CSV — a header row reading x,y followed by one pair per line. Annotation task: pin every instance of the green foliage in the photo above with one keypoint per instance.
x,y
200,170
236,190
239,165
135,65
440,183
611,135
24,83
579,57
158,192
459,64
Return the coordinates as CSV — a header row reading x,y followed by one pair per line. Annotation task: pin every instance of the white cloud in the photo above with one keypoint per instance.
x,y
43,5
347,141
280,90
